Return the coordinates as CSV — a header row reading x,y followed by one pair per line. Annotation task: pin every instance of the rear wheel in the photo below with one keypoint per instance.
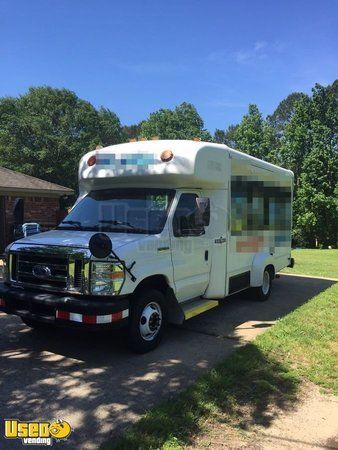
x,y
262,293
147,321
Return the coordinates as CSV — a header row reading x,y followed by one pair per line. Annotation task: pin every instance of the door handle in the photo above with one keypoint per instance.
x,y
220,240
206,255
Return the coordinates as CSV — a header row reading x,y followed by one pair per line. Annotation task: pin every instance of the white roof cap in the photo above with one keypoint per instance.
x,y
193,165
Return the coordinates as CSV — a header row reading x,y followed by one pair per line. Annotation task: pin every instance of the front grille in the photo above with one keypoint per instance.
x,y
30,268
78,274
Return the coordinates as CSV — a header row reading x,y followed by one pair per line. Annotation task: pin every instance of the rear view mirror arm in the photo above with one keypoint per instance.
x,y
101,247
127,269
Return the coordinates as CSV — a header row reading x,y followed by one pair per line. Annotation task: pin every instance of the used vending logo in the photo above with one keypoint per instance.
x,y
37,433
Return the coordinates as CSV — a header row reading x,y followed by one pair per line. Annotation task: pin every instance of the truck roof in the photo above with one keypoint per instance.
x,y
166,163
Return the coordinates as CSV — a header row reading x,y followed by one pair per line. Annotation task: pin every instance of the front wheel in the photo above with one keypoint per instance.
x,y
262,293
146,322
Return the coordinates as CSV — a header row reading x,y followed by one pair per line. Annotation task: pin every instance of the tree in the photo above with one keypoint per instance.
x,y
284,112
324,109
219,136
270,144
132,131
253,135
183,122
309,149
227,137
316,205
334,89
45,132
230,136
296,142
302,130
109,128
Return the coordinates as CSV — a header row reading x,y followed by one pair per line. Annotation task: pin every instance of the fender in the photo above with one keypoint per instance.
x,y
161,282
260,261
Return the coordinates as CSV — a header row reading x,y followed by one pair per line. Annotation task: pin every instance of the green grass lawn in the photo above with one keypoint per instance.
x,y
240,392
321,263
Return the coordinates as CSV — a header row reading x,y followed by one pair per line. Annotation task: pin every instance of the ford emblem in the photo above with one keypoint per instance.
x,y
41,271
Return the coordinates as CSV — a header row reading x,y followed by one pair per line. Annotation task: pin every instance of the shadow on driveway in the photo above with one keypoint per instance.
x,y
97,385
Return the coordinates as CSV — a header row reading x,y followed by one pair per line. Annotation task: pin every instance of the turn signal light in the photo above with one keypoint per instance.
x,y
117,275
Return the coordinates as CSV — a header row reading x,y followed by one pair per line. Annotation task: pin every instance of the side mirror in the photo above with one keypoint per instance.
x,y
100,245
203,206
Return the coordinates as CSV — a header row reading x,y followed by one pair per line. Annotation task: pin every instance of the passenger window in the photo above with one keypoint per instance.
x,y
187,221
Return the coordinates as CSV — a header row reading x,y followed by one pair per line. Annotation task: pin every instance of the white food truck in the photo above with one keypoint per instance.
x,y
161,231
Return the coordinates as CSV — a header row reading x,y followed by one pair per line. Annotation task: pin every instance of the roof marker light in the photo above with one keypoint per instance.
x,y
167,155
91,160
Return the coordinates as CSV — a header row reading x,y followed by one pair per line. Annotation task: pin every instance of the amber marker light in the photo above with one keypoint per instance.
x,y
167,155
117,275
91,160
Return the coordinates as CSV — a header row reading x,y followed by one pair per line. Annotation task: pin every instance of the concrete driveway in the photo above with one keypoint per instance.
x,y
99,387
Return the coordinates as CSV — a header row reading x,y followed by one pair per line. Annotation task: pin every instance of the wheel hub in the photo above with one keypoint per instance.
x,y
150,321
266,282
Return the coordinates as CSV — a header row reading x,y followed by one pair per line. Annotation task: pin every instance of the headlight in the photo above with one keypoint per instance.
x,y
106,278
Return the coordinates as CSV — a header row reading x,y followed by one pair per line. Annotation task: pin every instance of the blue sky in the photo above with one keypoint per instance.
x,y
136,56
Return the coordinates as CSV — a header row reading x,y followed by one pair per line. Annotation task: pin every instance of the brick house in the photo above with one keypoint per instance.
x,y
41,201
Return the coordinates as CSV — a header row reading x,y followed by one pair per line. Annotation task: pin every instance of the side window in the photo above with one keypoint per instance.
x,y
186,222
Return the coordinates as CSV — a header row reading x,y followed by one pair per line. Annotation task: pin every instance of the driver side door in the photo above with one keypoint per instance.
x,y
190,250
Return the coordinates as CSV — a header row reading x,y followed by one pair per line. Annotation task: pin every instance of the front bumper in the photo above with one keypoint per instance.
x,y
65,310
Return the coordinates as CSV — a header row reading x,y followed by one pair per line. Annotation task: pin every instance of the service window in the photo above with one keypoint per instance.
x,y
186,220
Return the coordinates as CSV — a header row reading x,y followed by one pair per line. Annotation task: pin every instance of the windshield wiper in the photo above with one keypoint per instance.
x,y
102,224
77,224
120,225
117,222
72,222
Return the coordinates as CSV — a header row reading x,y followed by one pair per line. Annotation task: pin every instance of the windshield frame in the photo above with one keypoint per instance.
x,y
116,226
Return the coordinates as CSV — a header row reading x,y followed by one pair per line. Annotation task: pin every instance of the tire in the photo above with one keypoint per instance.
x,y
262,293
35,324
147,321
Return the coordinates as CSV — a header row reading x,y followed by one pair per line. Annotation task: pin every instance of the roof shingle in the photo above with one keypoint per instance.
x,y
11,181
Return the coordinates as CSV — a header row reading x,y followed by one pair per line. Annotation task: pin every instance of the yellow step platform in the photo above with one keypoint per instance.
x,y
197,306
